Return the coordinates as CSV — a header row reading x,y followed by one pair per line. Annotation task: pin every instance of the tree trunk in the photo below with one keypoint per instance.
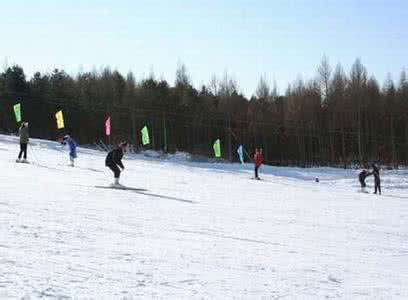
x,y
393,148
360,156
343,143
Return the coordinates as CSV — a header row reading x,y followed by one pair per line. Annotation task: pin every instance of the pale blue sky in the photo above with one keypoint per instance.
x,y
281,39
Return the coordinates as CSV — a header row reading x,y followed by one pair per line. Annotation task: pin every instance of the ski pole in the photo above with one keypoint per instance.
x,y
61,163
33,153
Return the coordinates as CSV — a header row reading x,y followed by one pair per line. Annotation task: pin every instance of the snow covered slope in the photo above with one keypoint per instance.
x,y
196,230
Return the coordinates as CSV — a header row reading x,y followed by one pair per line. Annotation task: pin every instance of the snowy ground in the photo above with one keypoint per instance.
x,y
197,231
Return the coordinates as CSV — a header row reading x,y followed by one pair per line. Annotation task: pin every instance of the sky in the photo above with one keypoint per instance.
x,y
280,39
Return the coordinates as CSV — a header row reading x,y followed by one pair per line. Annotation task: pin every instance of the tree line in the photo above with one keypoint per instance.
x,y
337,118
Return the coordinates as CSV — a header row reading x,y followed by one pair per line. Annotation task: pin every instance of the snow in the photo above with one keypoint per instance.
x,y
198,230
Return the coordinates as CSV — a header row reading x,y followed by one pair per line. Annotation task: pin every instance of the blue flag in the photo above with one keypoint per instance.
x,y
241,153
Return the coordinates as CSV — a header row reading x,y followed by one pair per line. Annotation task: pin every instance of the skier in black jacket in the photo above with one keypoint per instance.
x,y
362,177
114,161
377,180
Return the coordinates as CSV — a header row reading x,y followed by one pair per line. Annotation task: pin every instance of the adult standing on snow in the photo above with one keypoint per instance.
x,y
24,138
258,161
67,139
377,180
114,161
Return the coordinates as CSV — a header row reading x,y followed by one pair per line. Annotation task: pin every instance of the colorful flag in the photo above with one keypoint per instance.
x,y
217,148
241,153
60,119
108,127
17,112
145,136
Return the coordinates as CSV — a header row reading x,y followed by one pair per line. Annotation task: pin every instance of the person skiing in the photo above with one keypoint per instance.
x,y
362,177
114,162
258,160
377,180
24,138
67,139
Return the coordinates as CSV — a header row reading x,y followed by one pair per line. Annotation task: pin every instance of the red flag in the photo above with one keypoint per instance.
x,y
108,126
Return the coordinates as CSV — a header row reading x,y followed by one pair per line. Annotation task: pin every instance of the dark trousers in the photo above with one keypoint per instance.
x,y
377,187
256,171
115,170
363,184
23,150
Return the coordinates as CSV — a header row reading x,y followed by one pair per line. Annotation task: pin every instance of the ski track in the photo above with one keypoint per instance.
x,y
285,237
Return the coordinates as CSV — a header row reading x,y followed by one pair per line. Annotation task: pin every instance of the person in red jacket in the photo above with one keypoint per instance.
x,y
258,160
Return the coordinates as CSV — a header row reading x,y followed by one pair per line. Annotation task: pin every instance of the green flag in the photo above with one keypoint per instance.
x,y
217,148
145,136
17,112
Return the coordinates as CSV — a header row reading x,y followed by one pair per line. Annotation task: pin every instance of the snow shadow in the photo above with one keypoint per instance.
x,y
164,197
394,196
90,169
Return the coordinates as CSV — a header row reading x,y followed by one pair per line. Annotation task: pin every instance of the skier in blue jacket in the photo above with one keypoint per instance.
x,y
72,148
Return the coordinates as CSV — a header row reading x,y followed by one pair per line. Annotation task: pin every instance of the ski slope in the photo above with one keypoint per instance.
x,y
197,230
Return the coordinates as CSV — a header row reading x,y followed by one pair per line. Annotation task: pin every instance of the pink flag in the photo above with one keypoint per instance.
x,y
108,126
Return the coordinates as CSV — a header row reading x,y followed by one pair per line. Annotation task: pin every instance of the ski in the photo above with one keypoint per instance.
x,y
363,192
22,161
123,188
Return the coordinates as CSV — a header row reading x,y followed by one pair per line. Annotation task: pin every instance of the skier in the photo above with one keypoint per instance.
x,y
362,177
24,138
258,160
114,162
72,148
377,180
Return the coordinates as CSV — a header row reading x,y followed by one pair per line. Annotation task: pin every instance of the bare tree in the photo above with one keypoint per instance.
x,y
182,77
338,88
228,86
323,78
213,85
358,80
324,73
403,101
274,92
263,91
390,102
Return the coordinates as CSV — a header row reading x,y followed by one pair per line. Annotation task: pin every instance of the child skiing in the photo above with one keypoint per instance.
x,y
72,148
377,180
24,138
362,177
114,162
258,161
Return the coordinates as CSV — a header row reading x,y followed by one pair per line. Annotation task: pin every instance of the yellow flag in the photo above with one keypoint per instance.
x,y
60,119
